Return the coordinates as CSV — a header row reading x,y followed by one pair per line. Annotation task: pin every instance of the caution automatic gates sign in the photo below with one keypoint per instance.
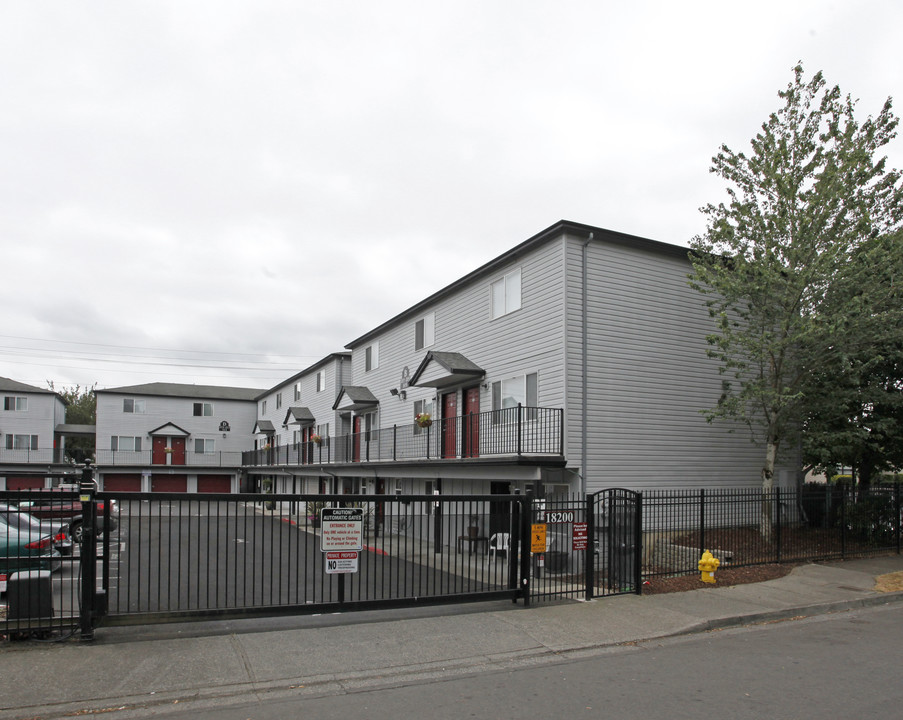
x,y
341,538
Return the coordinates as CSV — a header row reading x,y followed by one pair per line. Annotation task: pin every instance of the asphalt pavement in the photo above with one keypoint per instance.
x,y
130,671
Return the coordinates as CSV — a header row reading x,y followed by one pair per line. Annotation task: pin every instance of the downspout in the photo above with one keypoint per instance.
x,y
584,411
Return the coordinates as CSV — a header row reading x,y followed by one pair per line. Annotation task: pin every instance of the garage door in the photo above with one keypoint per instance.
x,y
169,483
24,483
214,483
122,483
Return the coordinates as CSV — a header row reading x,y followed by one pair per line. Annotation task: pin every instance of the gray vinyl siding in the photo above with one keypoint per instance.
x,y
648,377
528,340
45,412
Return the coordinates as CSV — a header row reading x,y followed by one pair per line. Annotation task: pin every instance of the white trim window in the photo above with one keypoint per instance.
x,y
203,409
511,392
297,391
505,294
21,442
371,357
321,381
204,446
125,443
132,405
278,401
15,403
425,331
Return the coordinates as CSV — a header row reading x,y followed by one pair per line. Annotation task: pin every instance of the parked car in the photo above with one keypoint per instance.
x,y
25,550
56,504
58,530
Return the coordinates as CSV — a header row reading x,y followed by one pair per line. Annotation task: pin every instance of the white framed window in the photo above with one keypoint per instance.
x,y
505,294
371,357
321,381
15,403
21,442
263,407
323,430
131,405
297,391
203,446
125,443
421,407
511,392
278,400
205,409
371,424
425,331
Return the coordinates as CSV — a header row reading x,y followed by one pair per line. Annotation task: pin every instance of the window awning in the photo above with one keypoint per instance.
x,y
264,427
169,430
444,369
355,398
299,416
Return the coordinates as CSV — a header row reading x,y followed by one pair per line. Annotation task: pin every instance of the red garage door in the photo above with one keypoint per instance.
x,y
24,483
169,483
214,483
122,483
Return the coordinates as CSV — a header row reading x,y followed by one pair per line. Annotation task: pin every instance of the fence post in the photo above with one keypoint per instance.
x,y
702,547
520,427
777,501
88,553
638,544
897,513
843,522
590,560
526,558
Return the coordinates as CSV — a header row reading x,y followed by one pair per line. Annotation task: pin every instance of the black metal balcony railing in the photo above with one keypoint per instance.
x,y
43,456
516,431
226,458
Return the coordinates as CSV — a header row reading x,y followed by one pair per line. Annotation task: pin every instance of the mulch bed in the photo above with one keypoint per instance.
x,y
724,577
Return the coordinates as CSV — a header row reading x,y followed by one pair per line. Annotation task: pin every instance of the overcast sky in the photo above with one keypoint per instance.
x,y
225,192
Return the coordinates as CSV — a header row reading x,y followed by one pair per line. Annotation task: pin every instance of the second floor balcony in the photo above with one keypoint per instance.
x,y
513,432
184,458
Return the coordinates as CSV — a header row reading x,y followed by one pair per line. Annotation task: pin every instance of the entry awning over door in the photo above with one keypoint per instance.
x,y
445,369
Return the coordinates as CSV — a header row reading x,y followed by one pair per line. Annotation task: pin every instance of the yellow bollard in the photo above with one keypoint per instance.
x,y
708,564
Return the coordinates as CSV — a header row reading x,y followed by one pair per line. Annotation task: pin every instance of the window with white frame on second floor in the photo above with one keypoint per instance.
x,y
371,357
131,405
297,391
21,442
278,401
425,331
505,294
203,409
511,392
125,443
323,430
203,446
321,381
15,403
422,407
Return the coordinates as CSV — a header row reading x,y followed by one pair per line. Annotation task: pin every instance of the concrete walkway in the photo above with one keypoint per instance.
x,y
126,670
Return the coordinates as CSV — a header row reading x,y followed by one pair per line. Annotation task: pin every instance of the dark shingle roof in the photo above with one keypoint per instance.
x,y
181,390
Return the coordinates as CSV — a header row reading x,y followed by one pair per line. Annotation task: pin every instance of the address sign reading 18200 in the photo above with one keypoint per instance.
x,y
557,516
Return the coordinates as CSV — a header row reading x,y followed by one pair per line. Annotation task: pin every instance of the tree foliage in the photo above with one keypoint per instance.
x,y
854,398
800,205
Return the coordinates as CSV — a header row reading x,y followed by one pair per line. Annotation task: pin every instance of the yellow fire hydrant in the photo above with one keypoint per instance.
x,y
708,564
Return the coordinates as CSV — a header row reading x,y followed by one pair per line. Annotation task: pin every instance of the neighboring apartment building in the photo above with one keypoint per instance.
x,y
31,433
168,437
575,361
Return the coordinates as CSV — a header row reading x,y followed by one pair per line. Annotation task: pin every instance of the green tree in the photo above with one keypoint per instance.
x,y
810,192
81,409
854,398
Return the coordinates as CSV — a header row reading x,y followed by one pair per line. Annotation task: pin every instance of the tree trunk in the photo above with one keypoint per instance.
x,y
766,522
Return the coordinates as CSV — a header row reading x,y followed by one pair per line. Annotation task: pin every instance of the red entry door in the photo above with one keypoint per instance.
x,y
449,425
178,450
356,429
472,422
159,453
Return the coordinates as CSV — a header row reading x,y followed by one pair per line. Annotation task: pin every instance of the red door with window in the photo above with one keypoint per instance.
x,y
471,422
178,450
356,429
159,452
449,427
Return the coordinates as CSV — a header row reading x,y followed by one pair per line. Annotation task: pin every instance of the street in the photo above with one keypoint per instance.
x,y
831,666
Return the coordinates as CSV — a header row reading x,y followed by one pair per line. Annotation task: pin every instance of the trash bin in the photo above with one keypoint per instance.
x,y
556,561
29,595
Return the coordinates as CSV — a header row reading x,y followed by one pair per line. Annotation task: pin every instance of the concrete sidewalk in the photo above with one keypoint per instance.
x,y
126,670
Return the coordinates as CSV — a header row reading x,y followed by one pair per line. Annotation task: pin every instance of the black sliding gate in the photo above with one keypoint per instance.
x,y
163,557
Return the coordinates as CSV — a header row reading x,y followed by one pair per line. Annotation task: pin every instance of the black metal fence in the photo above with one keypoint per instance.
x,y
751,526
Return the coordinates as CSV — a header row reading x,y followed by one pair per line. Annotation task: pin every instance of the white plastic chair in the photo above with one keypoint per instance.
x,y
498,543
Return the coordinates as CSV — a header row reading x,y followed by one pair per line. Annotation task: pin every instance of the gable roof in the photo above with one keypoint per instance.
x,y
299,416
443,369
183,390
355,397
10,385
